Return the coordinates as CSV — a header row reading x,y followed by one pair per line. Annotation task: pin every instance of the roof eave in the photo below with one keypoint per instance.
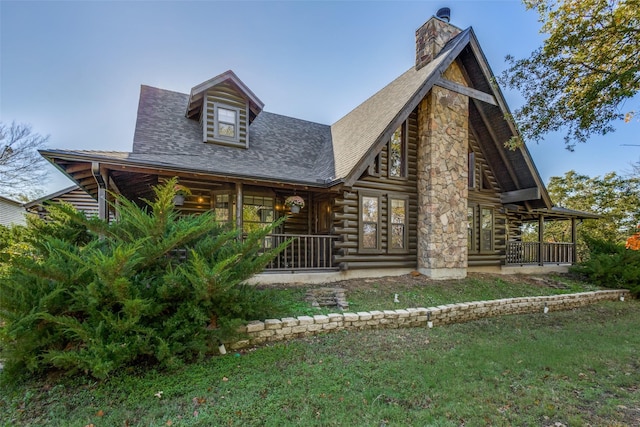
x,y
502,104
197,92
74,156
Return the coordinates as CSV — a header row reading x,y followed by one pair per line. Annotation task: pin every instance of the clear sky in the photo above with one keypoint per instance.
x,y
73,69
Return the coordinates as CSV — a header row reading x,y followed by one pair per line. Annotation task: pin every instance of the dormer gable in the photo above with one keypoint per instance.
x,y
225,107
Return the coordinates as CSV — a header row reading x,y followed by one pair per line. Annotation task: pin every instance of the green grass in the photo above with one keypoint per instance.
x,y
577,367
378,294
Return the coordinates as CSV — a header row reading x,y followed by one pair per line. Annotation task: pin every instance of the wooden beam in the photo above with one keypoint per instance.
x,y
532,193
499,147
467,91
239,201
541,240
77,167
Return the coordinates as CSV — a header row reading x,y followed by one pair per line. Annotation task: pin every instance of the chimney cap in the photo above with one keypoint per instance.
x,y
444,13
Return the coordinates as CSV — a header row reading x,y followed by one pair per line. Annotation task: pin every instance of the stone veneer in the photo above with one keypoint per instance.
x,y
431,38
443,128
273,330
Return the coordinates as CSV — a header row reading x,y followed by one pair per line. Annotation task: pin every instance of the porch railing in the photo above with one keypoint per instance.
x,y
521,253
305,252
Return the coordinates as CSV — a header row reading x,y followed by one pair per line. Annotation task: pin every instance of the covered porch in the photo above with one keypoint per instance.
x,y
545,237
238,203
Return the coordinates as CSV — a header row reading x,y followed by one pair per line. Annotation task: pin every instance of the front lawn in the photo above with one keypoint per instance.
x,y
577,367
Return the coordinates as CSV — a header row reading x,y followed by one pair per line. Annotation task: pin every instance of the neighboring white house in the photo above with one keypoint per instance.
x,y
11,212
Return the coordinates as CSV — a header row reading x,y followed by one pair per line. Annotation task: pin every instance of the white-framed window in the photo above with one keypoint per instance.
x,y
226,123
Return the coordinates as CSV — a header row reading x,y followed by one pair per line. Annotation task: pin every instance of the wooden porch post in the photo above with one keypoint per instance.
x,y
239,206
574,240
540,240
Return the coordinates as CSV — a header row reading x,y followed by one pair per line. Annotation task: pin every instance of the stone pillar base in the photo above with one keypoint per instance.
x,y
444,273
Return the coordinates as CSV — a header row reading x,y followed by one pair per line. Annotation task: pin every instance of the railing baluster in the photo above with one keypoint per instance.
x,y
520,253
304,252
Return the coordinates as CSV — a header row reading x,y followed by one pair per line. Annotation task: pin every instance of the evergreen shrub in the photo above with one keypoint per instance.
x,y
610,265
154,287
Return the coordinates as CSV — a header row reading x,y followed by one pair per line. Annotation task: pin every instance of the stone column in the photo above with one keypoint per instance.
x,y
443,126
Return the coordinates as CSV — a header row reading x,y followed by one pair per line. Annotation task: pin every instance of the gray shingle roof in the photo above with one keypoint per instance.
x,y
280,148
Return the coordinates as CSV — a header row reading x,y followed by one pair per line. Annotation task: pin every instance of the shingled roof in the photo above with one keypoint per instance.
x,y
289,150
373,121
282,148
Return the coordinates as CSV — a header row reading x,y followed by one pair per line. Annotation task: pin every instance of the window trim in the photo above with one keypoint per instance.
x,y
216,122
230,209
403,153
483,249
263,196
471,162
405,238
361,223
473,226
375,167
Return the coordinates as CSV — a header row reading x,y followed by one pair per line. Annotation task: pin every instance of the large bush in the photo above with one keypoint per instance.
x,y
611,265
84,295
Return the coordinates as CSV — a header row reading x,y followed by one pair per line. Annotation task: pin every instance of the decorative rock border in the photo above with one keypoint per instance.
x,y
272,330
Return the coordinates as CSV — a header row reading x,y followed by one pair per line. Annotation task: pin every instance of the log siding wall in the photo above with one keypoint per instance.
x,y
225,95
346,212
486,194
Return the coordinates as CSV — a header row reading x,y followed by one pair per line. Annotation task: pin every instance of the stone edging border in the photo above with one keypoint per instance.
x,y
273,330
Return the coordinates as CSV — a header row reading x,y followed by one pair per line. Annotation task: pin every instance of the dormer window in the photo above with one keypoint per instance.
x,y
225,108
226,122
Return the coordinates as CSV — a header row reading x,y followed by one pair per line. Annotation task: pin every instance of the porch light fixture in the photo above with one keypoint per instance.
x,y
295,203
546,308
621,297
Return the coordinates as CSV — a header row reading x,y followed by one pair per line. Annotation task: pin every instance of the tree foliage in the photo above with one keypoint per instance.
x,y
615,198
84,295
22,168
587,67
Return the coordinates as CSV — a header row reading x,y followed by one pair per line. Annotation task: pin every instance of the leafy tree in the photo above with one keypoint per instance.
x,y
84,295
615,198
22,168
9,236
585,70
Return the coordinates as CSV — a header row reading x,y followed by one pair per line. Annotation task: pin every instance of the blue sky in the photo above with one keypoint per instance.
x,y
73,69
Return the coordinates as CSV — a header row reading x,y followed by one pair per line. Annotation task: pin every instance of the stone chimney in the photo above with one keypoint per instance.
x,y
432,36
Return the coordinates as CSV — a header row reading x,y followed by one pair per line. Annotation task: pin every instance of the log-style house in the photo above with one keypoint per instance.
x,y
417,177
74,195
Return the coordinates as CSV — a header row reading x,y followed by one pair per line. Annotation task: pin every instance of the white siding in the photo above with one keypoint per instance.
x,y
11,213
